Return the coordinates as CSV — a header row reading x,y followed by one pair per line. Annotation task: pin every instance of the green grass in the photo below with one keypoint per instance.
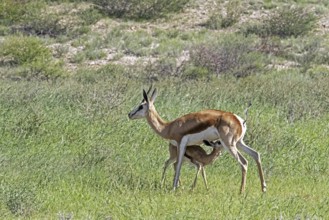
x,y
68,149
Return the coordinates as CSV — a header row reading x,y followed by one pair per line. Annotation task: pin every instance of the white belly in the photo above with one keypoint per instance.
x,y
209,134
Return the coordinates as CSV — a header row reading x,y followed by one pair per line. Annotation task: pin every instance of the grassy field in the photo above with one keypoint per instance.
x,y
69,151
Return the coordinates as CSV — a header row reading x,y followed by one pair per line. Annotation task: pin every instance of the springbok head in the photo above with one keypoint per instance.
x,y
142,109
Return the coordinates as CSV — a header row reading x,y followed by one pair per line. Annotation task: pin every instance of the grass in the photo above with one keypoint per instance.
x,y
69,151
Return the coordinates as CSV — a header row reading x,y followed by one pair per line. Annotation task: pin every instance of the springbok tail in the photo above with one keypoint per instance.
x,y
246,112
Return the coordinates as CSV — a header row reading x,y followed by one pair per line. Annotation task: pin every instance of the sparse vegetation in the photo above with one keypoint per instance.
x,y
218,20
310,51
286,21
232,54
33,18
14,12
145,9
69,74
29,53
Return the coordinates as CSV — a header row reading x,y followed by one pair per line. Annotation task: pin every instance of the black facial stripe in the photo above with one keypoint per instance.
x,y
140,108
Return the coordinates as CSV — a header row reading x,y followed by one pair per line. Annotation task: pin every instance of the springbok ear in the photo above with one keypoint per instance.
x,y
145,96
207,143
154,95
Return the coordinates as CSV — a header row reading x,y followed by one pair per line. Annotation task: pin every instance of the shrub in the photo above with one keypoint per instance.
x,y
294,21
271,45
164,67
4,30
137,43
53,25
33,18
49,24
31,54
217,20
308,52
136,9
20,200
284,22
233,54
109,71
195,72
89,16
24,50
318,71
29,17
16,14
12,11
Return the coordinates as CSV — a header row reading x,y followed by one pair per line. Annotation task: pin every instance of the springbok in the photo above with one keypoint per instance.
x,y
193,128
195,155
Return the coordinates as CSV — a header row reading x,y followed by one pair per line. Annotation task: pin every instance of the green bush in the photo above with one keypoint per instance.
x,y
11,11
52,24
24,50
34,18
233,54
4,30
284,22
195,72
44,24
318,71
217,20
271,45
90,16
17,12
308,52
164,67
136,9
29,17
31,54
110,71
293,21
20,201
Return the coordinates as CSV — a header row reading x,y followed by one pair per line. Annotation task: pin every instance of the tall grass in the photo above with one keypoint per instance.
x,y
69,151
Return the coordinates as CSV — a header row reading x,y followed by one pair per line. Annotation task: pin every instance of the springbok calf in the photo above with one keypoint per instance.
x,y
193,128
195,155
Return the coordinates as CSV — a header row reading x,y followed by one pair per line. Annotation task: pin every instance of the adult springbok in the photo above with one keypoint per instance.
x,y
195,155
193,128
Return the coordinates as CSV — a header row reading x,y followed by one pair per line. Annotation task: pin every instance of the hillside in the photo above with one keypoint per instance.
x,y
80,36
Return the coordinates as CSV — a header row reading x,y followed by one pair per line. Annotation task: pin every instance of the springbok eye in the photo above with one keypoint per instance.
x,y
140,108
